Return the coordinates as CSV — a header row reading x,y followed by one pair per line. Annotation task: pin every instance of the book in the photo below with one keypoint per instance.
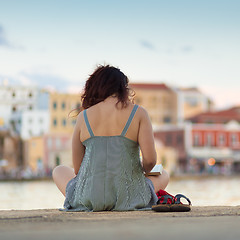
x,y
157,170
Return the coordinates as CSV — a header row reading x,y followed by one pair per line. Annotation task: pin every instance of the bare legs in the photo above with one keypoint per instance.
x,y
160,182
61,176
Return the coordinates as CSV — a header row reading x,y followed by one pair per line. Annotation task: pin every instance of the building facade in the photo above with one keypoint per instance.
x,y
159,100
30,123
34,155
10,154
191,102
20,98
57,150
214,140
173,137
63,109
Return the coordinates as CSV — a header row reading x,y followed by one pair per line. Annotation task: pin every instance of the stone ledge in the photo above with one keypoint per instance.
x,y
56,215
213,223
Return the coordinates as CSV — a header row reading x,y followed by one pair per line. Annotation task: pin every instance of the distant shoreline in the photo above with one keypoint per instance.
x,y
172,178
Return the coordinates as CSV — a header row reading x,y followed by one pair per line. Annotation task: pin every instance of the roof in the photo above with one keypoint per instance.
x,y
158,86
222,116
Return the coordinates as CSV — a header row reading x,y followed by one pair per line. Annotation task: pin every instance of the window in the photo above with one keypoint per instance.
x,y
138,100
14,109
54,105
49,143
167,119
13,94
153,101
168,139
179,139
196,139
209,139
64,122
191,101
55,122
57,160
73,122
58,143
221,139
63,105
233,139
30,95
78,106
30,107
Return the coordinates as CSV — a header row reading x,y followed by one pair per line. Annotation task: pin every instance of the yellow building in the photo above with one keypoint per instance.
x,y
61,104
159,100
34,153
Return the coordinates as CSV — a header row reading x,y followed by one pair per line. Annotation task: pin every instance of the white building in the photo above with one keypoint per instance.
x,y
20,98
190,102
31,123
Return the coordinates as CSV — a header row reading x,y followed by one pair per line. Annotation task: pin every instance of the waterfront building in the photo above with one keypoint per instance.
x,y
159,100
190,102
62,120
206,143
222,116
173,137
30,123
57,150
34,155
170,105
18,99
167,156
215,139
10,153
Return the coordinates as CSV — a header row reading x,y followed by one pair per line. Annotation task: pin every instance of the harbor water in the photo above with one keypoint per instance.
x,y
202,191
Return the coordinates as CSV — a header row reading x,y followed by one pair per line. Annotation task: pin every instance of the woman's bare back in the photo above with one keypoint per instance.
x,y
108,119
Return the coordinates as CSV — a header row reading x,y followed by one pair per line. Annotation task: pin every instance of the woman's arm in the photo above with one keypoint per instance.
x,y
78,149
146,141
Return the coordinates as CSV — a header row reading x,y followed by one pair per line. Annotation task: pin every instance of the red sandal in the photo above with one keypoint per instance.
x,y
169,203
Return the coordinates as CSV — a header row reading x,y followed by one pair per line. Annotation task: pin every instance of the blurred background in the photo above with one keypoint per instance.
x,y
182,59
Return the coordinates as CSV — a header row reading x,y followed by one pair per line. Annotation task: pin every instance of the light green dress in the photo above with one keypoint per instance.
x,y
110,176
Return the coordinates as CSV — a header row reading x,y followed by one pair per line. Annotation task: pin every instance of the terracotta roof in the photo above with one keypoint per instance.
x,y
161,86
218,116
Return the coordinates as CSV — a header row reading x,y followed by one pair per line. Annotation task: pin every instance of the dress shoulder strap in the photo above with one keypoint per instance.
x,y
87,123
129,120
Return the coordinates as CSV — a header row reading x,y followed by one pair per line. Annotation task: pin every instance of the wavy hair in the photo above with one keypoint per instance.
x,y
106,81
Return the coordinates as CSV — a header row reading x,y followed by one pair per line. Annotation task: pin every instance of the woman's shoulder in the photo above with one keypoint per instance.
x,y
80,118
142,111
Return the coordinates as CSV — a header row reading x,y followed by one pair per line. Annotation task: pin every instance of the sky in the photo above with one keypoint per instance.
x,y
184,43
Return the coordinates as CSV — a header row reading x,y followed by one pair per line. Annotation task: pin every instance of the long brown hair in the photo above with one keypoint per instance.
x,y
104,82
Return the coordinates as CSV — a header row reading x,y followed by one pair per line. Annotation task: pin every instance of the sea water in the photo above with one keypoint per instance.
x,y
202,191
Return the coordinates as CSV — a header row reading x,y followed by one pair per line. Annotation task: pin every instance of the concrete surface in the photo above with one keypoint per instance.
x,y
201,223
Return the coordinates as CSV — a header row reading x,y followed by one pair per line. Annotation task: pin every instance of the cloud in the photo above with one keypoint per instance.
x,y
45,79
148,45
42,80
187,49
3,40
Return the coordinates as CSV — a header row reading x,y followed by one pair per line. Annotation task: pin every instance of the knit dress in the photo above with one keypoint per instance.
x,y
110,177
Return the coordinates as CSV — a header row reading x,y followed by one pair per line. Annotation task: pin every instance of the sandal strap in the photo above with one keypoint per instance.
x,y
165,198
179,196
